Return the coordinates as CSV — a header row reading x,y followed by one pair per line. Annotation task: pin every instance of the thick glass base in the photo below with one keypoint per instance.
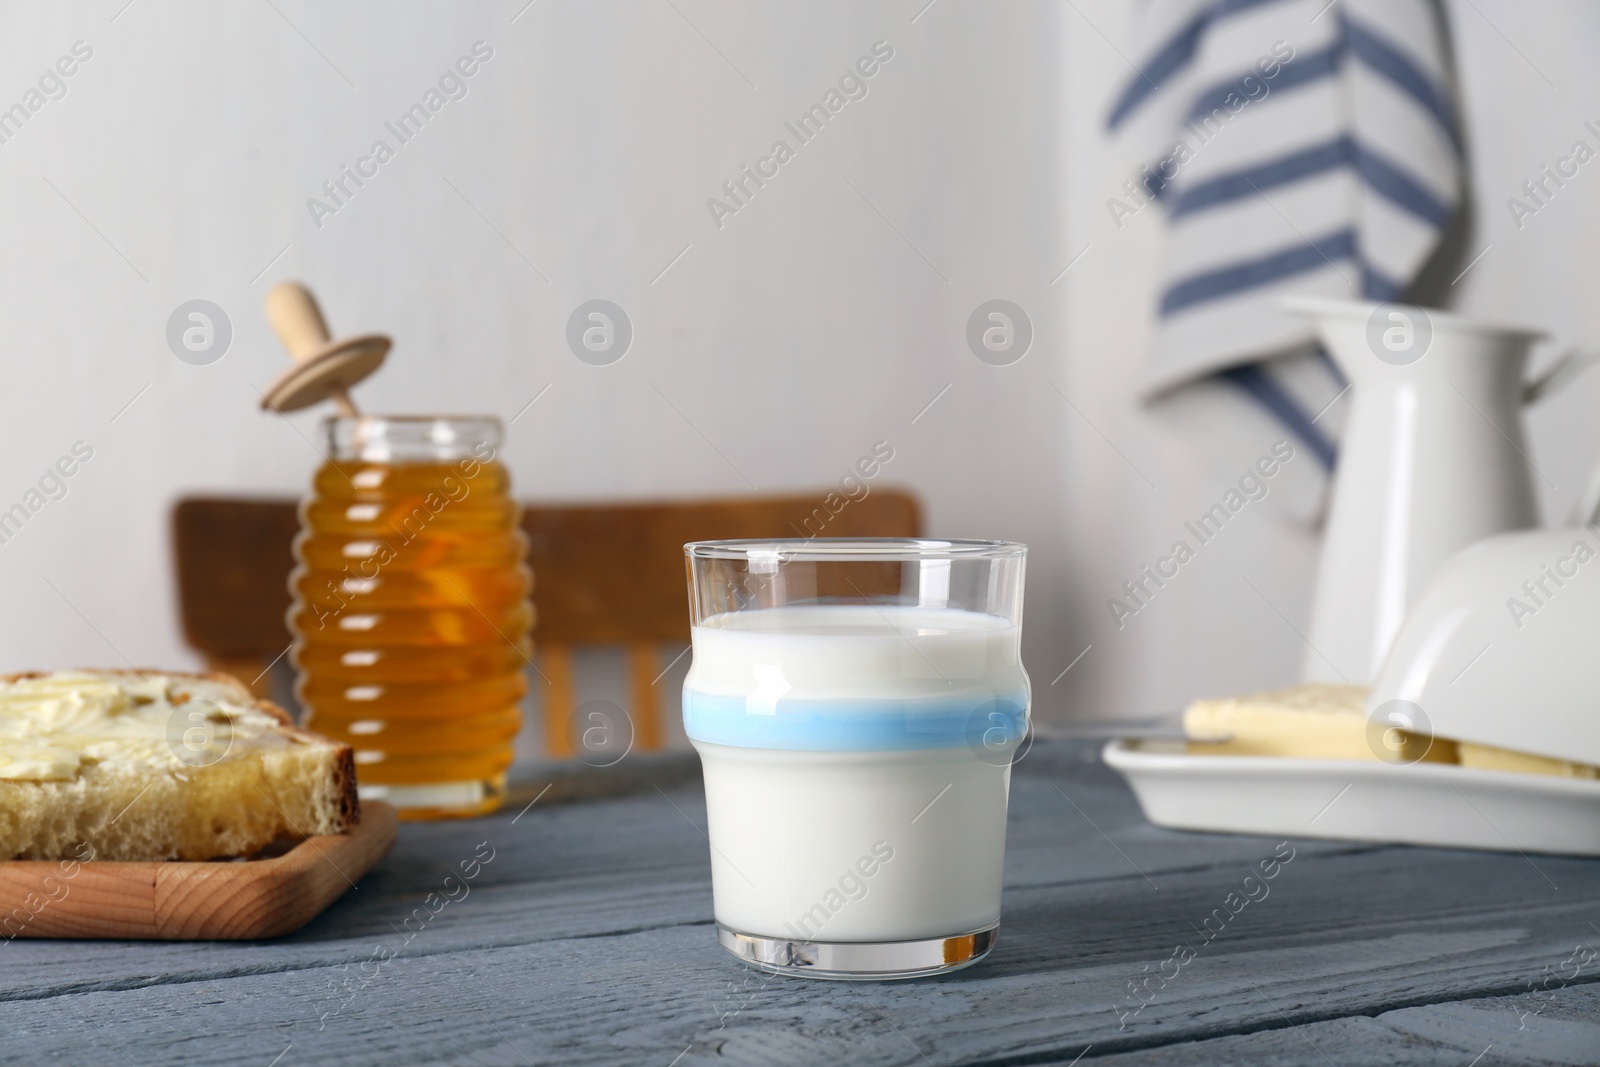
x,y
442,800
860,961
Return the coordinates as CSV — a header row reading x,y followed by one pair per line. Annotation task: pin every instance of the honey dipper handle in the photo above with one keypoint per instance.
x,y
296,319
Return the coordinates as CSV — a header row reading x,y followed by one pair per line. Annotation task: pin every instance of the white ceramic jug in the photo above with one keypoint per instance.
x,y
1432,458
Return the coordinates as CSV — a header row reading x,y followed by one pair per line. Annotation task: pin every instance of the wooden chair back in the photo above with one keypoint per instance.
x,y
603,575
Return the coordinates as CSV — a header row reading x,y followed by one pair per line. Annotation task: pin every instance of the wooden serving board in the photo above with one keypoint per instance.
x,y
223,901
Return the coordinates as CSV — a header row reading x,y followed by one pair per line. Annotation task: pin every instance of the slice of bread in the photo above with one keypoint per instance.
x,y
159,765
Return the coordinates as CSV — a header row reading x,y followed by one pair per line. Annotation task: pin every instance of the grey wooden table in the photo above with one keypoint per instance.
x,y
584,937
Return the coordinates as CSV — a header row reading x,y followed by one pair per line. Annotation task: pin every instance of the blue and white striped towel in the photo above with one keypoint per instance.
x,y
1297,146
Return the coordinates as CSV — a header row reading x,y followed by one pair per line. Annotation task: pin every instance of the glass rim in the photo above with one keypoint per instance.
x,y
408,420
409,438
854,549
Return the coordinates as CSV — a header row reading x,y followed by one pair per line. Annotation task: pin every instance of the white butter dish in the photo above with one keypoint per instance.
x,y
1360,800
1501,649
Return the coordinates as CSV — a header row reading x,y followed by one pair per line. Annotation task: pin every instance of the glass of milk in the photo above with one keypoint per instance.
x,y
856,705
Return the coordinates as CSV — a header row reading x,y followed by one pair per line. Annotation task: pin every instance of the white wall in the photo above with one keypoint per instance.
x,y
816,321
803,330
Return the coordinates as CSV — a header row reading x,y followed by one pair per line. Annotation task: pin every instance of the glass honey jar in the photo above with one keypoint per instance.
x,y
411,615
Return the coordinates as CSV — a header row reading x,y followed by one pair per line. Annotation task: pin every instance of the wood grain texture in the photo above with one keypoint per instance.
x,y
604,574
614,575
233,558
193,901
587,940
644,667
558,700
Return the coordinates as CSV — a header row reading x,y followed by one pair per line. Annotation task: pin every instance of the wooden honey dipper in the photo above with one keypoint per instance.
x,y
322,368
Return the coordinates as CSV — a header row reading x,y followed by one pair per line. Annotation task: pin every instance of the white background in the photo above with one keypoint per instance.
x,y
823,317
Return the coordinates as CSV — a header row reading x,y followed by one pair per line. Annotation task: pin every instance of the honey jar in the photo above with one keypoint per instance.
x,y
411,615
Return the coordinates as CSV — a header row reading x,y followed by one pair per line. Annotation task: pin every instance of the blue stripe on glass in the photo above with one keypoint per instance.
x,y
984,723
1389,61
1261,387
1382,176
1262,270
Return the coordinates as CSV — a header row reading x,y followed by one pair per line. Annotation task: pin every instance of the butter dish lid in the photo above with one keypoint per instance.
x,y
1503,649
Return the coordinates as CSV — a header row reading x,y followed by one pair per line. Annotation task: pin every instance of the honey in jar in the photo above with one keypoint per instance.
x,y
411,613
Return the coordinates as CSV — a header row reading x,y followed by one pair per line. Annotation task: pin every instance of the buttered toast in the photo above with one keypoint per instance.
x,y
159,765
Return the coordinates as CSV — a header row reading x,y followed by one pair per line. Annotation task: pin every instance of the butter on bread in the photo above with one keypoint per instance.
x,y
1312,721
147,765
